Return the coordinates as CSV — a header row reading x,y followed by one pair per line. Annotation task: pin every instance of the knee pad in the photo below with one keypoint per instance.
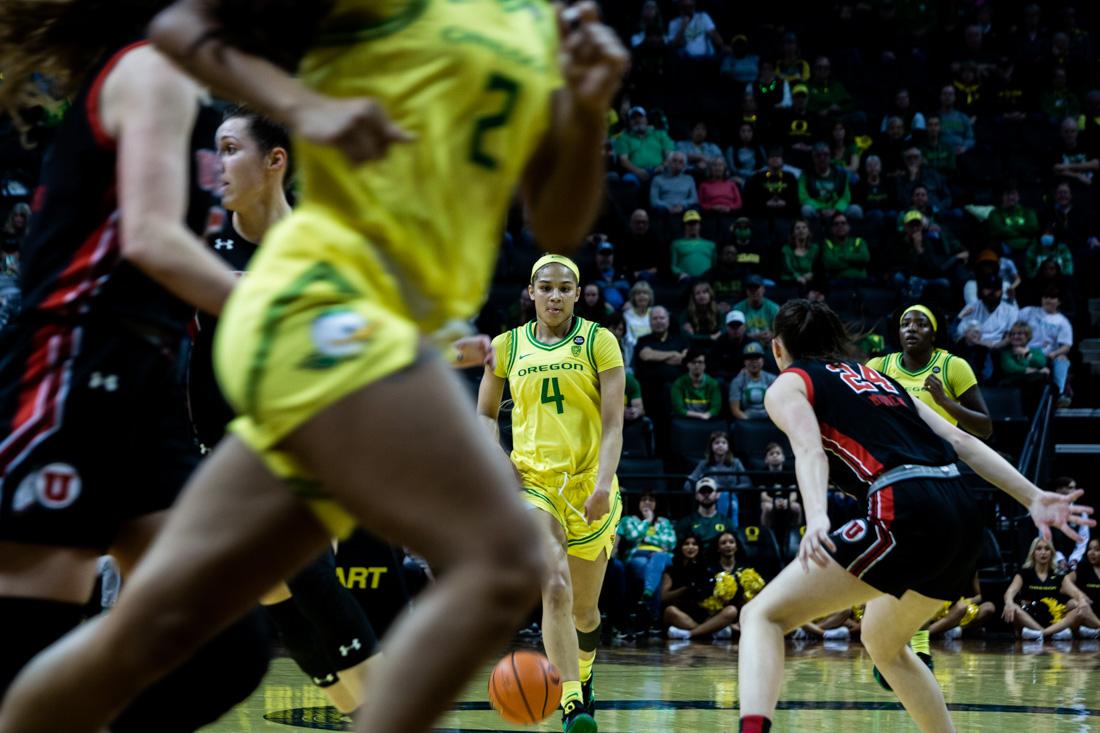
x,y
589,641
220,675
27,626
302,642
337,618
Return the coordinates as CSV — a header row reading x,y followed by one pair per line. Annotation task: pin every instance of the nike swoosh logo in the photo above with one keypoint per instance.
x,y
524,356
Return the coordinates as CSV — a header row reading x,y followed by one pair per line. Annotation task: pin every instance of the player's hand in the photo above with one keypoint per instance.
x,y
472,351
598,505
359,127
1049,509
935,388
593,60
814,543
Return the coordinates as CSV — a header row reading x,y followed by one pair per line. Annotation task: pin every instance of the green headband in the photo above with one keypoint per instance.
x,y
923,310
556,260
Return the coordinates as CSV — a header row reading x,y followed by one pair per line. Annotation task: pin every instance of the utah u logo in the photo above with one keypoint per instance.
x,y
54,486
854,530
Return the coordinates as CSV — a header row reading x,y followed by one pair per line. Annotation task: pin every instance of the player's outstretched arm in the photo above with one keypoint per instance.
x,y
188,31
1047,508
563,183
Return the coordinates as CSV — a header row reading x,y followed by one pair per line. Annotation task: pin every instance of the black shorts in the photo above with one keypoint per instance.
x,y
94,431
921,534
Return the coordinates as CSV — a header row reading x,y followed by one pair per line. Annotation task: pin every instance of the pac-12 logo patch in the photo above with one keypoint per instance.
x,y
854,530
54,486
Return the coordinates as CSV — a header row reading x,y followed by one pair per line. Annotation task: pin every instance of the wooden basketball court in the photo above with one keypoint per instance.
x,y
681,687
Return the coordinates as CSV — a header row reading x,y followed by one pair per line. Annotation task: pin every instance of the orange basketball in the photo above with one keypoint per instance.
x,y
524,687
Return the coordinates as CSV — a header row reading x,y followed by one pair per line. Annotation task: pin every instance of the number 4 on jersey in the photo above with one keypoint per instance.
x,y
555,396
862,379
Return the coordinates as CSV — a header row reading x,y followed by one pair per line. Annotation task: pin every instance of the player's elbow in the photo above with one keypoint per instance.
x,y
173,29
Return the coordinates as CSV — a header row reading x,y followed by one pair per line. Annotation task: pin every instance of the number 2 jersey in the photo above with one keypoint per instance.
x,y
556,418
868,423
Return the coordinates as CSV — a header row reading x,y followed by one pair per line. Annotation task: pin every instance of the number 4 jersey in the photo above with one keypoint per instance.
x,y
556,421
868,422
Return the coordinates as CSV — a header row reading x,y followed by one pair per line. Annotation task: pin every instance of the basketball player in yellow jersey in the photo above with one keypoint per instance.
x,y
940,380
325,355
568,387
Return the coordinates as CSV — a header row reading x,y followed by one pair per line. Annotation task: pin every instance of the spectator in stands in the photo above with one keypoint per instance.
x,y
791,67
759,311
875,195
1046,247
634,409
797,126
1059,101
658,361
1076,226
704,522
923,261
747,388
702,319
732,586
1022,365
751,252
1085,576
843,152
592,305
1012,226
1073,162
636,314
727,277
696,394
727,471
912,120
916,174
687,582
1034,603
844,257
772,198
829,98
648,541
692,255
890,146
823,190
642,149
648,18
968,90
641,254
746,156
990,265
933,375
965,614
725,354
800,256
700,153
15,228
720,199
741,66
1089,122
1052,334
780,509
955,126
984,325
693,34
611,280
673,191
936,152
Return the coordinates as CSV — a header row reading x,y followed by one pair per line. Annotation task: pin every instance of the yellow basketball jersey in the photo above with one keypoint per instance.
x,y
472,80
955,373
556,420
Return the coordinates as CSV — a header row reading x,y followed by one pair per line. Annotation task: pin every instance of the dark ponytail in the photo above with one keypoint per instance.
x,y
811,330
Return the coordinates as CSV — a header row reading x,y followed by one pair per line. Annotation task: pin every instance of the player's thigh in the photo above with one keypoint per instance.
x,y
798,596
407,458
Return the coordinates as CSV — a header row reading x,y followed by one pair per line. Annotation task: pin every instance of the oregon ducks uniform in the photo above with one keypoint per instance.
x,y
376,255
955,373
557,425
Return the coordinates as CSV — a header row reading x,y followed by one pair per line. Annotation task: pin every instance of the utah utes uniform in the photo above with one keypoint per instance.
x,y
92,409
922,530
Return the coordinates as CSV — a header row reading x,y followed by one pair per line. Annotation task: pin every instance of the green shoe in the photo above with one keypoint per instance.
x,y
926,658
575,718
589,695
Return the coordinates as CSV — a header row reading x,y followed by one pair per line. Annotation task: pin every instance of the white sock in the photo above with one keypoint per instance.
x,y
675,632
1031,634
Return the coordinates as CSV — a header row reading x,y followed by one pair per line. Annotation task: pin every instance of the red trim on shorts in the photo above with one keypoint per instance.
x,y
81,276
806,379
885,505
849,450
91,104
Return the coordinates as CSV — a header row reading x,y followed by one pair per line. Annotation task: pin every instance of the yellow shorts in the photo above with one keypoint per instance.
x,y
299,333
584,540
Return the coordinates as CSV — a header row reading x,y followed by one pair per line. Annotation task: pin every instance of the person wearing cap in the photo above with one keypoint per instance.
x,y
611,280
726,469
747,388
828,97
642,149
704,522
692,255
725,354
843,256
696,394
693,34
741,66
566,378
988,265
933,375
759,310
771,196
823,189
673,191
923,260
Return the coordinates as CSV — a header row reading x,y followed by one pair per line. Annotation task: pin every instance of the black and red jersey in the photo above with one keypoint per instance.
x,y
868,422
71,264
